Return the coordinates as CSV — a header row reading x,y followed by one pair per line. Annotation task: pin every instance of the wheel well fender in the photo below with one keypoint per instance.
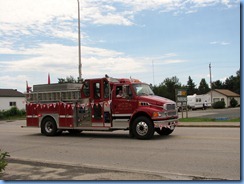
x,y
138,114
46,117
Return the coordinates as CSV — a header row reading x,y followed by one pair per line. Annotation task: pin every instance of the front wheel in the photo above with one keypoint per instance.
x,y
143,128
164,131
49,127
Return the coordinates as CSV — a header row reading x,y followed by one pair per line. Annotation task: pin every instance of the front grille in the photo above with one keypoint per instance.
x,y
170,106
172,113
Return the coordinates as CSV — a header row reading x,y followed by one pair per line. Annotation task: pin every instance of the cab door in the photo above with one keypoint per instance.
x,y
122,106
97,103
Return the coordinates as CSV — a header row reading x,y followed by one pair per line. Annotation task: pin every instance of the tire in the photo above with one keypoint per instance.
x,y
49,127
164,131
143,128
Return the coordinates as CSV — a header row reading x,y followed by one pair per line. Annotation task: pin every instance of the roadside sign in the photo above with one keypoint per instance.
x,y
181,99
181,92
181,95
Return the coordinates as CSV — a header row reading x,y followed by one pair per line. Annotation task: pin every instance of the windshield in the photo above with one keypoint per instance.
x,y
142,89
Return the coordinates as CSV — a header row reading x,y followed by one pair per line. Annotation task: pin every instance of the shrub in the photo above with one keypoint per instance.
x,y
219,105
1,114
3,162
13,112
233,102
22,112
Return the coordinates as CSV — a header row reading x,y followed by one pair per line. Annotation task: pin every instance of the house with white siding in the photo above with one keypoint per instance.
x,y
224,95
11,98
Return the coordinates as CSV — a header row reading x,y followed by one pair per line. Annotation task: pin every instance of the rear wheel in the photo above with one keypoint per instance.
x,y
143,128
165,131
49,127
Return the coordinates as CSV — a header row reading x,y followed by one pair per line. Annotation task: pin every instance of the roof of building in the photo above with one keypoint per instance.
x,y
10,93
227,92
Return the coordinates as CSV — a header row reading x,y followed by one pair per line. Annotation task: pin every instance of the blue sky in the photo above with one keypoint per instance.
x,y
119,38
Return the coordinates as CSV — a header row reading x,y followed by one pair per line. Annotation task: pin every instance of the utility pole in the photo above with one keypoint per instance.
x,y
80,65
210,73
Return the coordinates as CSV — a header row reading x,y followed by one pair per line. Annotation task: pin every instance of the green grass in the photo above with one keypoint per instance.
x,y
207,120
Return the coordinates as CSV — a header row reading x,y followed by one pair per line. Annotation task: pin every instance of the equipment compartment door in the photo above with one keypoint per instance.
x,y
83,113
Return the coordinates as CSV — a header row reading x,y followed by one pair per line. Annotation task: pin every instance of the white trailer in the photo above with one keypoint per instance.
x,y
197,101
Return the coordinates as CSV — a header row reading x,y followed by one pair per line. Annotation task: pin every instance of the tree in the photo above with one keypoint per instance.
x,y
167,88
218,85
233,102
233,83
191,87
69,79
171,84
160,90
203,87
237,82
229,83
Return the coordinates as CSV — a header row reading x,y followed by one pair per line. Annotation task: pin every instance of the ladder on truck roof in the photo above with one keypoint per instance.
x,y
46,93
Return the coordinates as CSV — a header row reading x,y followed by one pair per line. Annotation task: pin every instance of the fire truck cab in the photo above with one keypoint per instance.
x,y
103,104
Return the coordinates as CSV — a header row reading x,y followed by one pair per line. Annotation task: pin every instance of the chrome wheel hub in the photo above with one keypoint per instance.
x,y
48,127
142,128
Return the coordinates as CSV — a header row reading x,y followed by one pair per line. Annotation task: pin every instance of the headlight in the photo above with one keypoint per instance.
x,y
159,114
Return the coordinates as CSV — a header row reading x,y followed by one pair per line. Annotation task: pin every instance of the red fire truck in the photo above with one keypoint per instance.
x,y
103,104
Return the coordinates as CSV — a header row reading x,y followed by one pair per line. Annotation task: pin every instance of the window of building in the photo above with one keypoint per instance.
x,y
12,104
216,99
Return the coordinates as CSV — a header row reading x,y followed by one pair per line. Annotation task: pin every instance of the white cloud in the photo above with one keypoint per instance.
x,y
172,61
98,52
213,43
223,79
223,43
61,61
12,83
58,19
29,12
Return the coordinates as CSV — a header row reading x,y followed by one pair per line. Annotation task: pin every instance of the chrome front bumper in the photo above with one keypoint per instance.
x,y
171,123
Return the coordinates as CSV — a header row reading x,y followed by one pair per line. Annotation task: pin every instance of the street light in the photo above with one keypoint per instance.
x,y
80,65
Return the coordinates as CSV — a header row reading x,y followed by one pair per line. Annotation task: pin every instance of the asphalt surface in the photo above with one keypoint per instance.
x,y
18,169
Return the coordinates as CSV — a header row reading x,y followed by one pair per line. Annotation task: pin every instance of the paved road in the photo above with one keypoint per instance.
x,y
189,153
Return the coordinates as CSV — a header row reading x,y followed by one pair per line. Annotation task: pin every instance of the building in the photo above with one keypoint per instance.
x,y
224,95
10,98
